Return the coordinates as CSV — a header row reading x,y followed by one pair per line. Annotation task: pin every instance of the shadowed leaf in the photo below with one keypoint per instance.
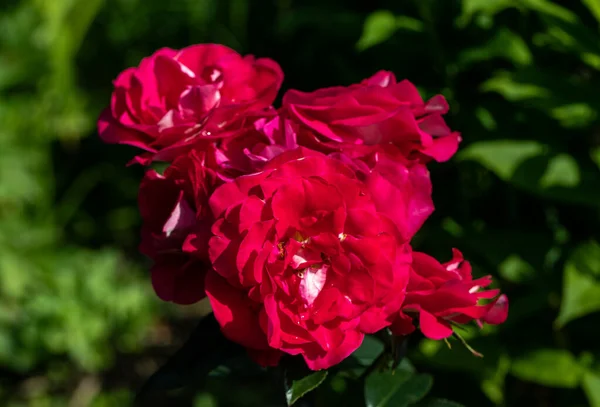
x,y
395,388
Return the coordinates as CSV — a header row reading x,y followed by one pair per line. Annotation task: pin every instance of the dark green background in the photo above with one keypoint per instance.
x,y
79,325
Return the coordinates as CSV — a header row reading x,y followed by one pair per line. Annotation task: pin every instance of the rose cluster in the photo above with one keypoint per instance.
x,y
296,221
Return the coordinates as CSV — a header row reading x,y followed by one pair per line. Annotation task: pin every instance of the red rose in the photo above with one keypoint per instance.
x,y
442,294
250,149
400,188
177,98
379,110
303,261
176,227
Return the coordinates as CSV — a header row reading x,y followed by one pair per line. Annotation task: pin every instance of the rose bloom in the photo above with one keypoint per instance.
x,y
176,227
177,98
250,149
379,110
400,188
445,294
303,261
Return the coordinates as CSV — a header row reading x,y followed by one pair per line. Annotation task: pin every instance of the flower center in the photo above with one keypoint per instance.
x,y
309,265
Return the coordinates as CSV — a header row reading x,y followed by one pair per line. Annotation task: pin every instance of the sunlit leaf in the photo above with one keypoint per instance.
x,y
550,8
502,157
409,24
378,27
591,387
594,7
581,284
79,18
575,115
562,171
504,44
548,367
513,90
548,90
381,25
530,166
516,270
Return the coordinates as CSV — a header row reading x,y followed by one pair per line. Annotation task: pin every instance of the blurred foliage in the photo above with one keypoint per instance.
x,y
78,321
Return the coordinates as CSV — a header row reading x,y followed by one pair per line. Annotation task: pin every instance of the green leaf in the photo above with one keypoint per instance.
x,y
409,23
502,157
368,351
551,9
486,118
574,115
567,31
206,349
413,390
549,91
396,388
591,387
594,7
595,154
379,26
514,90
548,367
581,284
531,166
439,403
562,171
515,269
505,44
205,400
487,8
300,381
